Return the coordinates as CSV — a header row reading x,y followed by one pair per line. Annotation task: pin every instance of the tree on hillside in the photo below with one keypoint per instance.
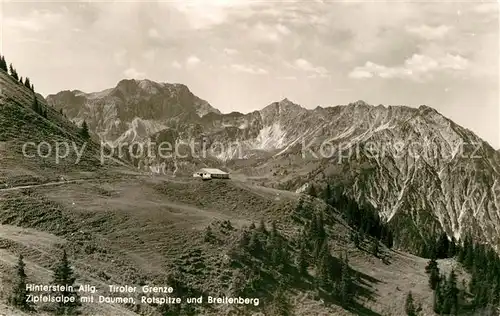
x,y
36,106
274,230
303,260
326,195
311,190
209,235
410,308
324,268
443,246
64,275
375,248
346,284
262,226
27,83
432,264
449,304
355,238
20,294
3,64
434,276
13,72
85,130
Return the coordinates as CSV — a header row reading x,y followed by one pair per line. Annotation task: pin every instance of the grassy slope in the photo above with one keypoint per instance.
x,y
19,124
133,232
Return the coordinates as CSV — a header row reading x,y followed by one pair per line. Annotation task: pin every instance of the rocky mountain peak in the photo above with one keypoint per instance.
x,y
360,103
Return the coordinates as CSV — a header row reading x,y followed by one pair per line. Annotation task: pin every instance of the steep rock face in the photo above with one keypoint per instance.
x,y
133,110
423,172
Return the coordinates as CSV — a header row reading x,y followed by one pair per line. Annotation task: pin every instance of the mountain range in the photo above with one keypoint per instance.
x,y
424,173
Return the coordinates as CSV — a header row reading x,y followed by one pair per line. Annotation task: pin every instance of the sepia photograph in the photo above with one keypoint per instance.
x,y
249,157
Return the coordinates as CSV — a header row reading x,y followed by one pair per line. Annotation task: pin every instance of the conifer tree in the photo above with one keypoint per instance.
x,y
274,230
36,106
311,190
254,245
320,232
3,64
64,276
432,264
280,304
434,278
346,291
209,235
326,195
245,239
302,261
13,72
410,308
437,301
85,130
27,83
442,246
375,248
262,226
355,238
20,293
450,295
323,270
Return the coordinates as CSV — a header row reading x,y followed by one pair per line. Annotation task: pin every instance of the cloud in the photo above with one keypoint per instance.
x,y
120,57
248,69
417,67
488,7
288,77
230,51
192,61
283,29
429,32
176,64
149,55
307,66
202,14
36,21
266,33
33,40
153,33
132,73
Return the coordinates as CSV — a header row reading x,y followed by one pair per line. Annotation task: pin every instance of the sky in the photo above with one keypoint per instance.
x,y
243,55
